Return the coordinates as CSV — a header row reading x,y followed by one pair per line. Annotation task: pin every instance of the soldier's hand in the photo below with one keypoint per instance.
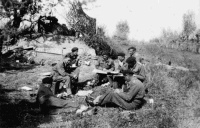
x,y
79,63
117,90
104,69
75,76
100,68
96,100
71,76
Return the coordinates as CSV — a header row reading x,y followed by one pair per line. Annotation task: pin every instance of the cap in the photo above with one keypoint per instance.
x,y
131,61
106,53
132,48
74,49
121,54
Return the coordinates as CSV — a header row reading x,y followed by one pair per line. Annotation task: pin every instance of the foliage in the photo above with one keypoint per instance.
x,y
15,11
122,31
80,21
169,35
189,25
100,42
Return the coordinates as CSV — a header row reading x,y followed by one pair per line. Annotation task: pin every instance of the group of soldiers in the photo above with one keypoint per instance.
x,y
127,91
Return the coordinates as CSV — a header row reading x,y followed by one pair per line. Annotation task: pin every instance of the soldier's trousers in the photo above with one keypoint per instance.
x,y
111,98
65,82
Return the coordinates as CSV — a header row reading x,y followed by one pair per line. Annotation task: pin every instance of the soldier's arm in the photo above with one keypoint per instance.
x,y
66,55
117,66
124,67
112,65
62,71
130,94
141,73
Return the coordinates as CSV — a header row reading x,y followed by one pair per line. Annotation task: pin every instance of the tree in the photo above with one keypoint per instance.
x,y
189,25
14,10
122,31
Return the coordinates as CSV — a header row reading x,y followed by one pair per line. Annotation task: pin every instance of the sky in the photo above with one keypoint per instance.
x,y
146,18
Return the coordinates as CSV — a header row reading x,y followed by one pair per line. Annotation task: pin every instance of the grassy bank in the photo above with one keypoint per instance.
x,y
175,93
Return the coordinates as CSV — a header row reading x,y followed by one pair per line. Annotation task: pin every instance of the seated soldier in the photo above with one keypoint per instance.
x,y
118,81
106,64
132,53
48,102
73,55
74,62
137,68
65,75
130,98
119,63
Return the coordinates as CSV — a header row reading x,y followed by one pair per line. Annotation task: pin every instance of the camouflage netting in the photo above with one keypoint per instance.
x,y
86,25
80,21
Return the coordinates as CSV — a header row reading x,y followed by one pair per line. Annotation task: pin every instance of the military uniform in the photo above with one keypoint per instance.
x,y
118,81
139,69
62,73
49,103
74,58
132,98
104,64
119,65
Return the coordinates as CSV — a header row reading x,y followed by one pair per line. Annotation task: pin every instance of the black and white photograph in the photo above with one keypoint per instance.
x,y
99,63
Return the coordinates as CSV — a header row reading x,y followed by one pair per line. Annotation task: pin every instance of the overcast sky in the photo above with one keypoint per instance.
x,y
146,18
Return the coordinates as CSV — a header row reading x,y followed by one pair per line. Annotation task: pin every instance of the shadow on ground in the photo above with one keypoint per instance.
x,y
17,67
19,113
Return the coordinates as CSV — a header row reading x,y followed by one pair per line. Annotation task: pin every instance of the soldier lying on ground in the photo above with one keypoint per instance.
x,y
129,98
104,63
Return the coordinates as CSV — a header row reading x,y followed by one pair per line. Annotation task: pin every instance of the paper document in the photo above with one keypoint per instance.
x,y
84,93
26,88
106,72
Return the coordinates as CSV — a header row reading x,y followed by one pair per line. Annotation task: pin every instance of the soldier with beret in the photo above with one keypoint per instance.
x,y
73,55
74,62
